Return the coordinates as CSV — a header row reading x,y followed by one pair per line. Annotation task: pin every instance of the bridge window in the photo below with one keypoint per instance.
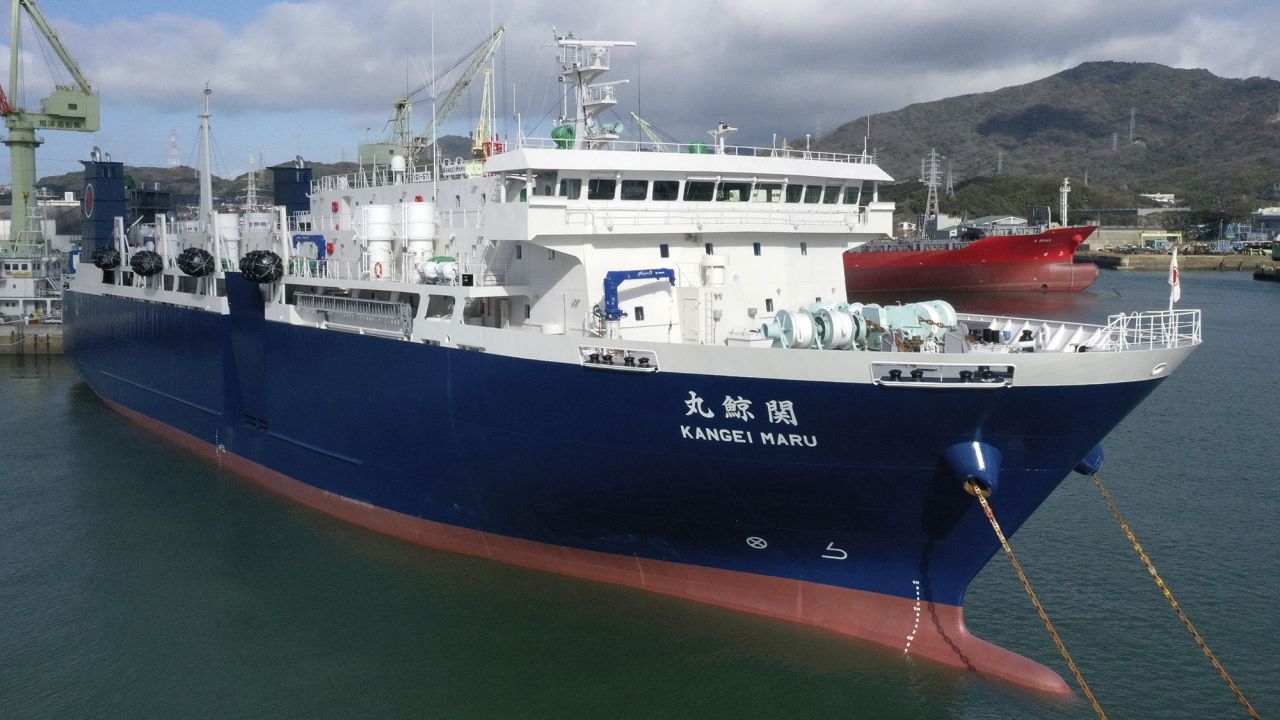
x,y
635,189
544,183
853,194
711,249
602,189
794,193
664,250
571,188
804,248
666,189
768,304
755,247
699,191
519,251
639,314
812,193
768,192
831,195
734,192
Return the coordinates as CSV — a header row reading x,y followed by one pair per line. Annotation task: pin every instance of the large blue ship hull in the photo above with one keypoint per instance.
x,y
599,461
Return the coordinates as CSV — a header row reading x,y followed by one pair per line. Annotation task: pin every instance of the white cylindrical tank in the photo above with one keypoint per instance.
x,y
420,228
227,228
713,269
377,235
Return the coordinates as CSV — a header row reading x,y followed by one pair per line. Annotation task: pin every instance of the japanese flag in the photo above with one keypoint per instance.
x,y
1175,292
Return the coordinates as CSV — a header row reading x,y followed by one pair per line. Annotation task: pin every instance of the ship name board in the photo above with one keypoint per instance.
x,y
777,413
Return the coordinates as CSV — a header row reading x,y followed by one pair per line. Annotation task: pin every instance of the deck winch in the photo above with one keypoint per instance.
x,y
855,326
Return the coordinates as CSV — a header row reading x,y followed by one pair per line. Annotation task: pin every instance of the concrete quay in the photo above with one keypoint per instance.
x,y
30,339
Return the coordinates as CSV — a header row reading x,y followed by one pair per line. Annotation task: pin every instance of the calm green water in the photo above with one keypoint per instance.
x,y
137,582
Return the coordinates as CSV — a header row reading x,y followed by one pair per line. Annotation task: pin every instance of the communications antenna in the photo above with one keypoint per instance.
x,y
251,191
174,159
1063,192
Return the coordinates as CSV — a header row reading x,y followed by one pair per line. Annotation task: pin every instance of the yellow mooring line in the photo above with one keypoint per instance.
x,y
981,493
1151,568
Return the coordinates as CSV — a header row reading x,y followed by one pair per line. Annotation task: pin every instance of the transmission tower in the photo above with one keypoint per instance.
x,y
951,187
1115,142
174,160
932,177
1133,121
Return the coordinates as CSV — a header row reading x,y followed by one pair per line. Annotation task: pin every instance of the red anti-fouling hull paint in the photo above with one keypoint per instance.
x,y
921,628
1045,261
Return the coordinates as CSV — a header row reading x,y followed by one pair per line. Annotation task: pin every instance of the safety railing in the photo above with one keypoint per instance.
x,y
700,148
1152,330
379,176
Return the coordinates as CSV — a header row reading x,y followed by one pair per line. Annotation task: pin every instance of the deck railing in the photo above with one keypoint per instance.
x,y
699,148
1152,330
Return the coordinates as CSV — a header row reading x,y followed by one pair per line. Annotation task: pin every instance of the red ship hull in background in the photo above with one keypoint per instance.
x,y
1043,261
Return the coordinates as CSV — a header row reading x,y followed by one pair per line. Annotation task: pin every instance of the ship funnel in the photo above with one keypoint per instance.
x,y
977,463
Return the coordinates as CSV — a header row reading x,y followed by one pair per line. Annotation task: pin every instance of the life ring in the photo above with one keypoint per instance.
x,y
377,270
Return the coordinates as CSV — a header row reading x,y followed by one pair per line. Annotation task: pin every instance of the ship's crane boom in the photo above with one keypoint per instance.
x,y
69,107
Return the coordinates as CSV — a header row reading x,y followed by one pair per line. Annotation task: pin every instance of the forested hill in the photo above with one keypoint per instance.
x,y
1213,141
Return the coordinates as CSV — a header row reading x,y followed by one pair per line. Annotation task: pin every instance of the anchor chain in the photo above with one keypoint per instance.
x,y
981,493
1168,594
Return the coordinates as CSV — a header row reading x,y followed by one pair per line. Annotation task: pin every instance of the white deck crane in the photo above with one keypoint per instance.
x,y
69,107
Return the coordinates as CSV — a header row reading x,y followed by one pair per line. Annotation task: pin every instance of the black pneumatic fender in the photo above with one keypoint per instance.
x,y
146,263
261,266
105,258
196,262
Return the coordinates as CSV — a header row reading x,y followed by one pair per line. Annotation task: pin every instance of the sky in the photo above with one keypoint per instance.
x,y
313,78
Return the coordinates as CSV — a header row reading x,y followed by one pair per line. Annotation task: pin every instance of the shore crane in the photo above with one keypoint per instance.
x,y
70,107
403,140
651,133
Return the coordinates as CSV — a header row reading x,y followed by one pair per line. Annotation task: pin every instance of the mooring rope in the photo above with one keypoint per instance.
x,y
1191,628
982,493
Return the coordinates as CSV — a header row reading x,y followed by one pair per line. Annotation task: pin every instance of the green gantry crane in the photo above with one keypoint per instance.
x,y
70,107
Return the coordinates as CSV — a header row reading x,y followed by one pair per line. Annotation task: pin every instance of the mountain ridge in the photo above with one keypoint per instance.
x,y
1211,140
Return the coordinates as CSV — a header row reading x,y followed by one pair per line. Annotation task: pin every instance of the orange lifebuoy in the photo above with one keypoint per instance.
x,y
377,270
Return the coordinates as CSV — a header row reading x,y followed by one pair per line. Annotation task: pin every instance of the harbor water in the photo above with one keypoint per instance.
x,y
139,582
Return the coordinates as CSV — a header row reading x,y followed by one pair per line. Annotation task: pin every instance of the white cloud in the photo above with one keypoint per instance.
x,y
764,65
